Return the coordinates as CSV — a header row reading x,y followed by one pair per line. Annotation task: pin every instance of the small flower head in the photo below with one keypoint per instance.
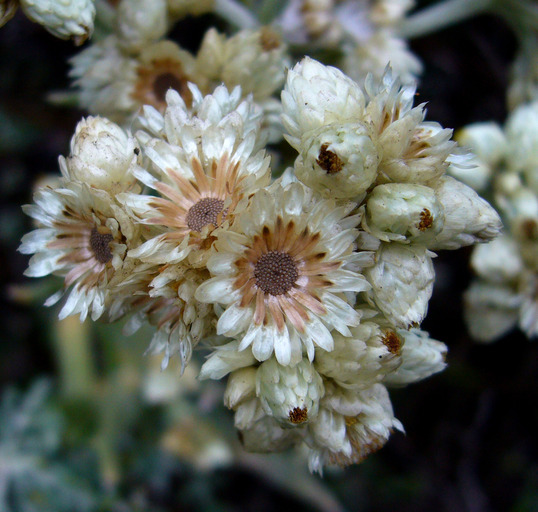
x,y
280,273
338,160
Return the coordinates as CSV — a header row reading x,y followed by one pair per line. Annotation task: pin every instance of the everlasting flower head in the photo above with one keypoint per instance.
x,y
102,155
280,272
66,20
206,171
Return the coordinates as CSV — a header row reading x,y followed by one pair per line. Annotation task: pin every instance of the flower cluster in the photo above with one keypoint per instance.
x,y
308,289
506,166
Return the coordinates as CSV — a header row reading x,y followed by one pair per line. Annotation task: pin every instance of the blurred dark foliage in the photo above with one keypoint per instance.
x,y
471,431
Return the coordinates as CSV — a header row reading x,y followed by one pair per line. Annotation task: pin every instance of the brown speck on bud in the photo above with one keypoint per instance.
x,y
297,416
426,220
269,39
393,342
329,161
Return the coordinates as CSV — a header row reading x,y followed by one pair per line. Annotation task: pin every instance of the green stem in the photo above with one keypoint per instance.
x,y
235,14
439,16
74,355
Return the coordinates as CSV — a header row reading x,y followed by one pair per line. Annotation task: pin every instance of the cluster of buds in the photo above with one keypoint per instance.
x,y
308,289
505,167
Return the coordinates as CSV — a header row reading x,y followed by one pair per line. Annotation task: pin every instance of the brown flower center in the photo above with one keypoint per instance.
x,y
99,244
329,161
275,272
204,212
166,81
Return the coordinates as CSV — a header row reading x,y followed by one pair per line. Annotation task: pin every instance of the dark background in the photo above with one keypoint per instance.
x,y
471,437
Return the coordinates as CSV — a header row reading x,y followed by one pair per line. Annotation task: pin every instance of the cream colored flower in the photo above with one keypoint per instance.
x,y
63,18
403,212
338,160
351,425
421,356
290,394
205,172
116,84
374,54
362,359
315,96
102,155
280,271
139,22
469,219
253,59
402,282
84,237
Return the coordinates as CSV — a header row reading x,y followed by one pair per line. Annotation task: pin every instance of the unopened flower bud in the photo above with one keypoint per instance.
x,y
102,155
339,160
290,394
402,212
63,18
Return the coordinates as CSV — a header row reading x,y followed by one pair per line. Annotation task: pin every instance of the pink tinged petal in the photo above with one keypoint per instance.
x,y
293,312
234,320
259,314
36,240
307,300
319,334
276,312
217,290
79,270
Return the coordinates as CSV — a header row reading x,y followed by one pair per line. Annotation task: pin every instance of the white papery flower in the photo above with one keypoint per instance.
x,y
402,282
362,359
403,212
315,96
255,60
139,22
102,155
84,237
204,172
421,356
290,394
280,271
522,143
469,219
104,75
338,160
66,19
351,425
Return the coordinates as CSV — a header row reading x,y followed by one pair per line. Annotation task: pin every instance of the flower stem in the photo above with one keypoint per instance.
x,y
235,14
440,15
75,360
